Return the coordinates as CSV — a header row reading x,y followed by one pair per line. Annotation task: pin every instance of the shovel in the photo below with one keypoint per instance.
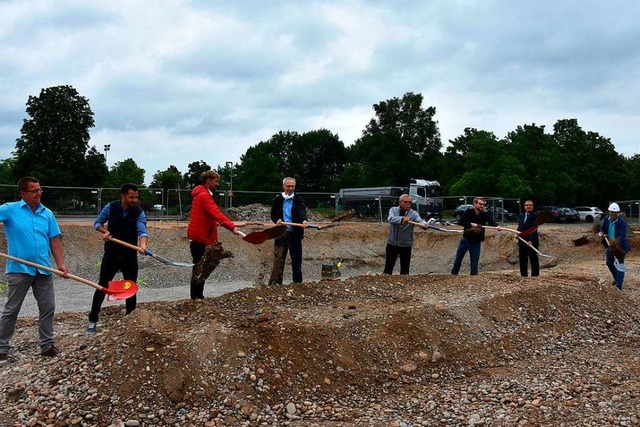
x,y
541,218
117,290
534,248
310,225
501,228
258,237
151,254
433,227
617,264
519,238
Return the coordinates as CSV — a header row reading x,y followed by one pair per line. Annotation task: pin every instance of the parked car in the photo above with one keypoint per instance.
x,y
158,208
500,214
558,213
588,213
457,213
570,215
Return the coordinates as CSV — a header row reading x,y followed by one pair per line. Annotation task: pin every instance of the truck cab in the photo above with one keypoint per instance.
x,y
426,197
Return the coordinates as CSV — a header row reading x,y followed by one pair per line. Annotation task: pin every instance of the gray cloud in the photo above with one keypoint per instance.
x,y
181,81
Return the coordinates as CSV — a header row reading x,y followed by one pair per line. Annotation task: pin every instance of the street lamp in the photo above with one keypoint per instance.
x,y
107,147
230,165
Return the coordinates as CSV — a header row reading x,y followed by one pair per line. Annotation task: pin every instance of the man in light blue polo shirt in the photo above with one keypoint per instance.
x,y
32,232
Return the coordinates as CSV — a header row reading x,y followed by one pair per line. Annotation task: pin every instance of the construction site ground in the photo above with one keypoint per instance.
x,y
363,349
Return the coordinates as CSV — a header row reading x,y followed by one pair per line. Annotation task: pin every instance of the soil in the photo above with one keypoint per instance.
x,y
361,349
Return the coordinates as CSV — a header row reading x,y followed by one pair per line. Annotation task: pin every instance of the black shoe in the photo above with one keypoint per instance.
x,y
50,352
4,357
92,328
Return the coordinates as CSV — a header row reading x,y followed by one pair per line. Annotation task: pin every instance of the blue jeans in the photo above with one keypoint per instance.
x,y
474,254
618,276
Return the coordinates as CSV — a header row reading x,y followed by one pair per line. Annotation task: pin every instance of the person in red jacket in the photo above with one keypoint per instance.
x,y
203,224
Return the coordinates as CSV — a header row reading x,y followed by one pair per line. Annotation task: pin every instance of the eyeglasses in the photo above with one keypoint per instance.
x,y
36,191
480,204
406,201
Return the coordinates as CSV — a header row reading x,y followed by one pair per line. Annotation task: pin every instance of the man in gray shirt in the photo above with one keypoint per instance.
x,y
400,239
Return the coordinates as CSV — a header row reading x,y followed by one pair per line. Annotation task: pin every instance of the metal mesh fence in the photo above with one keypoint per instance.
x,y
176,203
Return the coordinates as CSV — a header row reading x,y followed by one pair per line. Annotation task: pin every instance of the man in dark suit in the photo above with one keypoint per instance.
x,y
290,208
525,252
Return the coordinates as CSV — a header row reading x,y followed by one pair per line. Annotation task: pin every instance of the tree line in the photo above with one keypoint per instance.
x,y
569,165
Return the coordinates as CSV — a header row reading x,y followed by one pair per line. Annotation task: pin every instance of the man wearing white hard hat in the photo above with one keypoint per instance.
x,y
614,232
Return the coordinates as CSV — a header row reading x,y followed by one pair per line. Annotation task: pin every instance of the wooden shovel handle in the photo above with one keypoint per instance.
x,y
419,224
53,270
123,243
501,228
293,224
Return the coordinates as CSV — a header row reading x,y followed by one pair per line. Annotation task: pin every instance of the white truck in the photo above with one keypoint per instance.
x,y
376,201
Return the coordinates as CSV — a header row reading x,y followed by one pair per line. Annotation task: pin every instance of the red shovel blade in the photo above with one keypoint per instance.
x,y
529,231
258,237
120,289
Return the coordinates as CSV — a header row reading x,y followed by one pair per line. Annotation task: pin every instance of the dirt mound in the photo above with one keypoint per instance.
x,y
425,349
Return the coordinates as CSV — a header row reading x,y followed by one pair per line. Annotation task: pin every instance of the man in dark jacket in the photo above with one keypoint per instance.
x,y
125,221
614,232
526,221
288,207
472,220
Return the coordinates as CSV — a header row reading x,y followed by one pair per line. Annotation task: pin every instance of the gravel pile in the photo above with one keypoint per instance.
x,y
368,350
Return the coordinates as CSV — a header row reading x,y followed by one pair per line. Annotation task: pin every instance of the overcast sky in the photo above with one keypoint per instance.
x,y
172,82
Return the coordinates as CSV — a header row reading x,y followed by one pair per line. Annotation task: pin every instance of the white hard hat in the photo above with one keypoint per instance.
x,y
613,207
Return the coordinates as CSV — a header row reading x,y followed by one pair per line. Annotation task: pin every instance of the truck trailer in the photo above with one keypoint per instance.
x,y
376,201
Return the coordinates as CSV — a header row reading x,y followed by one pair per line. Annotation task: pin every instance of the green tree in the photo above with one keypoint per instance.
x,y
168,179
94,169
382,161
264,165
407,138
123,172
317,159
417,130
6,171
545,166
454,158
588,154
55,139
612,176
633,184
490,170
193,176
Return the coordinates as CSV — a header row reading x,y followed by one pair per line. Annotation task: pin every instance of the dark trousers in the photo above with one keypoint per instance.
x,y
197,252
527,255
292,245
393,252
114,260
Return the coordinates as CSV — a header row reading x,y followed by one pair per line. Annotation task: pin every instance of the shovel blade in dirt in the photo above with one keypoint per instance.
x,y
259,237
